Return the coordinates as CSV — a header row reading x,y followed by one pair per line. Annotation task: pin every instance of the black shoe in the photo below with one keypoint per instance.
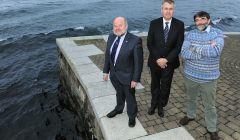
x,y
131,122
160,112
213,135
185,120
113,113
151,110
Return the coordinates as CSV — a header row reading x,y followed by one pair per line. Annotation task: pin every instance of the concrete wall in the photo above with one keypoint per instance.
x,y
77,98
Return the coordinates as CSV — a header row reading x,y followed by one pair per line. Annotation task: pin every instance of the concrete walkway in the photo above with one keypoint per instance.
x,y
154,127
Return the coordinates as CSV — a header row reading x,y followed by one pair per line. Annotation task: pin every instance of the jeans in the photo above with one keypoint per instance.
x,y
208,95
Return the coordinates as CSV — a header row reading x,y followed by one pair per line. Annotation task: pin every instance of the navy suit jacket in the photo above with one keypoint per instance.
x,y
129,62
157,46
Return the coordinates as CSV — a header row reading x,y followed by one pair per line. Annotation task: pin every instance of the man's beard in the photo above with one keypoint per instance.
x,y
202,27
119,33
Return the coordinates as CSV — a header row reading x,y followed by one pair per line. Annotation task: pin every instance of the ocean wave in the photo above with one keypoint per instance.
x,y
52,35
80,28
225,20
135,31
218,22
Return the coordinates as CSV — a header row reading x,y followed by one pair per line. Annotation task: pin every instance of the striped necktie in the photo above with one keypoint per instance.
x,y
166,30
114,48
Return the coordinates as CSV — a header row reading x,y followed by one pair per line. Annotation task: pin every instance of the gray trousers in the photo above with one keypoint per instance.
x,y
207,92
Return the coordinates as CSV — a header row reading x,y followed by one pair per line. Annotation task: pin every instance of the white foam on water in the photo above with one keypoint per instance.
x,y
80,28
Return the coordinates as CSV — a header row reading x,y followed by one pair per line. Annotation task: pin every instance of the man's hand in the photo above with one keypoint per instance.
x,y
190,49
162,62
105,77
213,43
133,84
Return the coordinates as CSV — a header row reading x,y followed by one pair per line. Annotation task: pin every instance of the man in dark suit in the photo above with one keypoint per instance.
x,y
165,38
124,61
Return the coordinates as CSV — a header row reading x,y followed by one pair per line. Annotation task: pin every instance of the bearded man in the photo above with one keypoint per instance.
x,y
201,52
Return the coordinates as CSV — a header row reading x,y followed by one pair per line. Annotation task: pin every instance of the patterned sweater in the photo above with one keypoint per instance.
x,y
201,54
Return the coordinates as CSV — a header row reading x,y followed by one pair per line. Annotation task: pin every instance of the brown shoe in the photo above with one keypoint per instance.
x,y
185,120
213,135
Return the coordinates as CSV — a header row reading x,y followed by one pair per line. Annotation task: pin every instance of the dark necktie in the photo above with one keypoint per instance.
x,y
166,29
114,48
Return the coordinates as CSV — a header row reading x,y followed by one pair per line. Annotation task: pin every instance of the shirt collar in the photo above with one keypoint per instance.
x,y
208,29
169,21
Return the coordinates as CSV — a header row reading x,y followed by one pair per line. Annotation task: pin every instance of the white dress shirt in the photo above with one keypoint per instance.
x,y
169,23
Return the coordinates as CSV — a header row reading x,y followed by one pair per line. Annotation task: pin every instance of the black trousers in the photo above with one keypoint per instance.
x,y
125,93
160,86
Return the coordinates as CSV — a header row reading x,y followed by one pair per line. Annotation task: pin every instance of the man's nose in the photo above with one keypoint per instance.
x,y
200,22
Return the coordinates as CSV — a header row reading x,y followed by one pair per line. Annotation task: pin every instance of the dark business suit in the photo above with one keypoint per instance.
x,y
162,78
128,67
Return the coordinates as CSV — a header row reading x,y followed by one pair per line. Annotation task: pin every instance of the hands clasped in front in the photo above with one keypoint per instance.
x,y
162,62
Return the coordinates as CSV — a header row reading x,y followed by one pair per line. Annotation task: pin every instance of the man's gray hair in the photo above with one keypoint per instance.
x,y
168,1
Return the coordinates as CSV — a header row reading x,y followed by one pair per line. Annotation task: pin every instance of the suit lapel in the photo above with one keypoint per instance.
x,y
109,45
111,40
123,48
161,32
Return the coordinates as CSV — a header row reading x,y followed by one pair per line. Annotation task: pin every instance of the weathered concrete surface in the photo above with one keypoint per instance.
x,y
174,134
